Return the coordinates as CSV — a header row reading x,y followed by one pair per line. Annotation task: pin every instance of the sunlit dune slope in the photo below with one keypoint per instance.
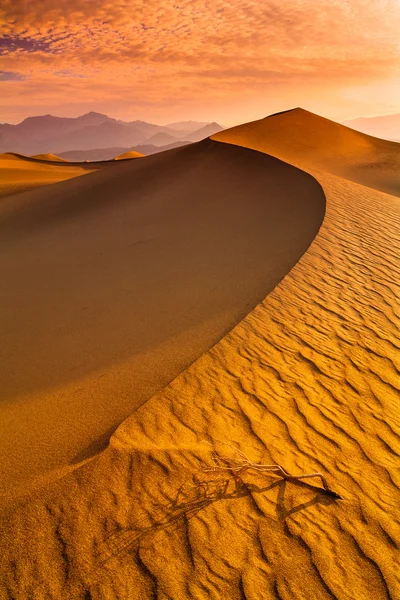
x,y
19,173
129,154
115,282
51,157
309,380
308,140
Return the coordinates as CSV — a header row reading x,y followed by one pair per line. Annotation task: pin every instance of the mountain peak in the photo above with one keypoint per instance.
x,y
47,117
93,113
93,117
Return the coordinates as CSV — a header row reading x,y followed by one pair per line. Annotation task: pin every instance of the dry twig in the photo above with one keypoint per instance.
x,y
237,466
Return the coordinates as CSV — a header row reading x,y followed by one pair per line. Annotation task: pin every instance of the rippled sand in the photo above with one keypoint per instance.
x,y
309,380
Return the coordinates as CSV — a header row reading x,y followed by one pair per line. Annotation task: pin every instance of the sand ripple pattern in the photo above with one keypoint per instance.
x,y
310,380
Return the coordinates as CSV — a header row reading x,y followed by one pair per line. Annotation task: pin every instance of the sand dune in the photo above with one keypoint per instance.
x,y
51,157
307,140
129,154
19,173
116,282
309,379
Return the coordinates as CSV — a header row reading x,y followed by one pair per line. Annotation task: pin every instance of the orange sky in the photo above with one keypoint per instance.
x,y
225,60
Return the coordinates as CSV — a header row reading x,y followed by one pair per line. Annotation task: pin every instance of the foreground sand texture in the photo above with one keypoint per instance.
x,y
19,173
309,380
116,282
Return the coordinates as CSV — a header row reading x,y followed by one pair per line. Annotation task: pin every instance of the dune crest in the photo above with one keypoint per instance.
x,y
50,157
129,154
308,141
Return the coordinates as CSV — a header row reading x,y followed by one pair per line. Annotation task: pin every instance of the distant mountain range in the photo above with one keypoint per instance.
x,y
95,131
95,154
386,127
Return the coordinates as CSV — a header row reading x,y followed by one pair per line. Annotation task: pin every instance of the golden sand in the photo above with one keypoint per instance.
x,y
19,173
129,154
309,380
312,142
49,156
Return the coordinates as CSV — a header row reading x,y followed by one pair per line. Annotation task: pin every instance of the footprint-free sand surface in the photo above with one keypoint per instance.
x,y
309,380
315,143
19,173
129,154
49,157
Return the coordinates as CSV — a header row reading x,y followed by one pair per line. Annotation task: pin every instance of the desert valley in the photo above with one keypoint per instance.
x,y
173,324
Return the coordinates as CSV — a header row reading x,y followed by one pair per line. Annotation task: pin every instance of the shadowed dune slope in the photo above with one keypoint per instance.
x,y
309,380
116,282
19,173
308,140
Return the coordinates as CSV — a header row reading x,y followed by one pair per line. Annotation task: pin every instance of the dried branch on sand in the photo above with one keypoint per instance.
x,y
237,466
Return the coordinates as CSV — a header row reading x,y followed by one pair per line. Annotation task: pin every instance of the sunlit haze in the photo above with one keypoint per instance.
x,y
227,60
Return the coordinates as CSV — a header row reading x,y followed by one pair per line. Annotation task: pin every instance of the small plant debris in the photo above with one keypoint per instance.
x,y
241,463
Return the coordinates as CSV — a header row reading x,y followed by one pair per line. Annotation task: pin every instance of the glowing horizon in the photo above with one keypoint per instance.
x,y
230,61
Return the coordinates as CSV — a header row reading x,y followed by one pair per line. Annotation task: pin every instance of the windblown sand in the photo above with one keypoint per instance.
x,y
309,380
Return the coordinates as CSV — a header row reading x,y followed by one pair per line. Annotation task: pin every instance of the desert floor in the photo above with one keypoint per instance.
x,y
309,379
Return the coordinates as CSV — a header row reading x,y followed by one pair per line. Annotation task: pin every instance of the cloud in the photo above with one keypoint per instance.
x,y
11,76
171,50
68,73
12,43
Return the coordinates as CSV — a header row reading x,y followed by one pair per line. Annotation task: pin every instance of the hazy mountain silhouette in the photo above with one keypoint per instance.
x,y
188,126
94,131
386,127
204,132
161,138
110,153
